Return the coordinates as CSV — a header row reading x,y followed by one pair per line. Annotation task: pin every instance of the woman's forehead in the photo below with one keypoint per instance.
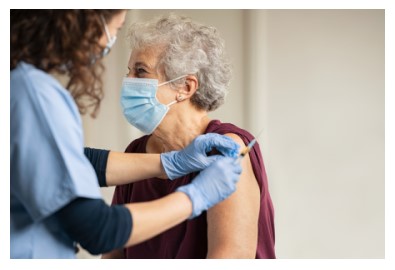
x,y
149,55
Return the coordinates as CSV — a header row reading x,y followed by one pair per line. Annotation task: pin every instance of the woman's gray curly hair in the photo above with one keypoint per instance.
x,y
189,48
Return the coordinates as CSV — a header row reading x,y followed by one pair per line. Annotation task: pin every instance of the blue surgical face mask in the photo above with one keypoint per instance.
x,y
140,105
110,40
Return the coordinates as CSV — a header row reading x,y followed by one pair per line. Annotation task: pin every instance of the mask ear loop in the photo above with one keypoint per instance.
x,y
109,39
179,97
171,103
172,80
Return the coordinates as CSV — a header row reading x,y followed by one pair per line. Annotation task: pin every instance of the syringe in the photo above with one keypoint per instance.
x,y
248,148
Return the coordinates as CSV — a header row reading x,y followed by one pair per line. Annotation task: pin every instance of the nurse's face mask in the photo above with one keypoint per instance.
x,y
140,105
110,40
107,48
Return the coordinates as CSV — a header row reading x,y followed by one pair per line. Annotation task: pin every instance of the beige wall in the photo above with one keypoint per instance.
x,y
314,80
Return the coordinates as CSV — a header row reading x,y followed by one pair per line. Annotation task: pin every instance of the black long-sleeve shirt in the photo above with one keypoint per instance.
x,y
96,226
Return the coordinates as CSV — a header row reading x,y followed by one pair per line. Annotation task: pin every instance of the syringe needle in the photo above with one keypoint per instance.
x,y
248,148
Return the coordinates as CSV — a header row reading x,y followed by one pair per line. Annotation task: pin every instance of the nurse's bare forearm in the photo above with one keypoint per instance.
x,y
124,168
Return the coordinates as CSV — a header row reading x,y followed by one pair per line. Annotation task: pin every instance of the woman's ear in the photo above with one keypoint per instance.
x,y
191,86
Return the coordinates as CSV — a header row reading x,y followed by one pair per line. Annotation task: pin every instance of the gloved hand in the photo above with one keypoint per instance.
x,y
194,157
213,184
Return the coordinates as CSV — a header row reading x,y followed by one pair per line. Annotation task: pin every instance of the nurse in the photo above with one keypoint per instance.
x,y
55,200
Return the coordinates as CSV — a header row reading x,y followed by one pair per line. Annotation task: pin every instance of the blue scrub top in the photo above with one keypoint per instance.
x,y
48,165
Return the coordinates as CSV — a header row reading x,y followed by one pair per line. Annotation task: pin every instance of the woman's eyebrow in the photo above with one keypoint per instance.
x,y
137,64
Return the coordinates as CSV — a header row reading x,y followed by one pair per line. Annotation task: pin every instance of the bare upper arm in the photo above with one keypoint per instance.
x,y
233,224
115,254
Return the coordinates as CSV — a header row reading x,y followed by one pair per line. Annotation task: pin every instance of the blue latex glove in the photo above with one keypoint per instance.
x,y
213,184
194,157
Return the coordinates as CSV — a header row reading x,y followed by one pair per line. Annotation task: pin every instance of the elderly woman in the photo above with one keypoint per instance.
x,y
177,74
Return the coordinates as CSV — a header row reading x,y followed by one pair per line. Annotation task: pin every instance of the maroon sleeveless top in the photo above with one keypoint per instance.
x,y
189,239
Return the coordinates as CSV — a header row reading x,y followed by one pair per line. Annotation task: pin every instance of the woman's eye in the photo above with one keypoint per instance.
x,y
139,72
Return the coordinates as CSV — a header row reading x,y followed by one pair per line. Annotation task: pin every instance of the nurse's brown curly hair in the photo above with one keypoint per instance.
x,y
63,42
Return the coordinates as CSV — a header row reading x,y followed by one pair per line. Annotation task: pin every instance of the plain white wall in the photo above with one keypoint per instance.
x,y
325,107
314,81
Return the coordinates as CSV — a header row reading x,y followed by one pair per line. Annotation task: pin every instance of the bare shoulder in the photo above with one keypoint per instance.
x,y
233,223
236,138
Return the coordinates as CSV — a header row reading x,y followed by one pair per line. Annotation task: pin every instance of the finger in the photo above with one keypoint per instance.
x,y
226,163
222,143
232,164
238,169
233,153
212,159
